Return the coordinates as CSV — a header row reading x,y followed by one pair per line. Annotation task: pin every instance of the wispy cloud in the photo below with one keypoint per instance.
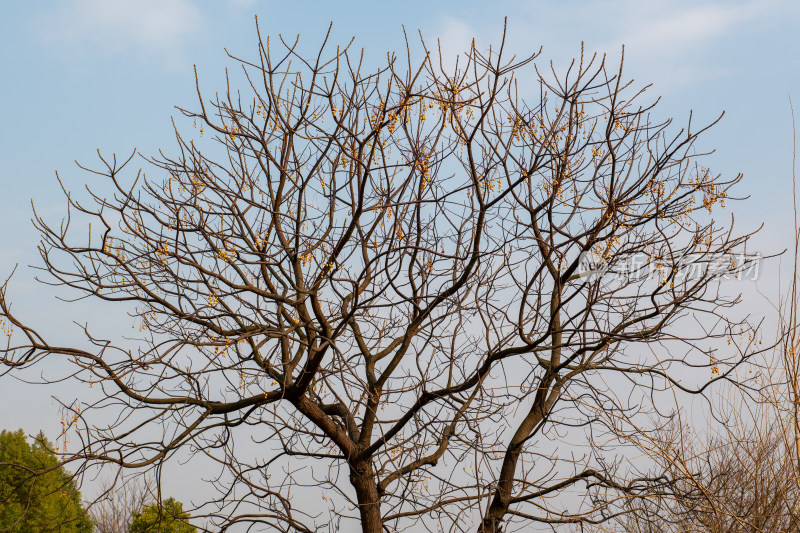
x,y
668,37
453,37
665,40
660,28
243,3
677,43
156,27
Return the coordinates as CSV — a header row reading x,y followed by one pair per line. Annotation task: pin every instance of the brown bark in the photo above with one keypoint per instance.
x,y
362,477
543,401
505,484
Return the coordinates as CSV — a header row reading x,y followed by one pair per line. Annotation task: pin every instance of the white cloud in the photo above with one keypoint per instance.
x,y
665,40
156,27
454,39
243,3
670,29
668,40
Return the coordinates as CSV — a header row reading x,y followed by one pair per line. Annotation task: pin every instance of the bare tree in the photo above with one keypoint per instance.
x,y
783,394
113,510
744,474
737,478
418,279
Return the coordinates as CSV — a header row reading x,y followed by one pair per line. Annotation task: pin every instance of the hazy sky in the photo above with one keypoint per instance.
x,y
78,75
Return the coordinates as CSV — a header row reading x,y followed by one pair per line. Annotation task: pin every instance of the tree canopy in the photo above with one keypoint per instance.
x,y
36,493
168,517
430,295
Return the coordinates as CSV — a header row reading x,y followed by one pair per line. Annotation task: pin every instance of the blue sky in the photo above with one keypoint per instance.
x,y
86,74
79,75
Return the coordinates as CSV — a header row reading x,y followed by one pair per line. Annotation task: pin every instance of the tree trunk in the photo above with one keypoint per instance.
x,y
363,479
501,501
